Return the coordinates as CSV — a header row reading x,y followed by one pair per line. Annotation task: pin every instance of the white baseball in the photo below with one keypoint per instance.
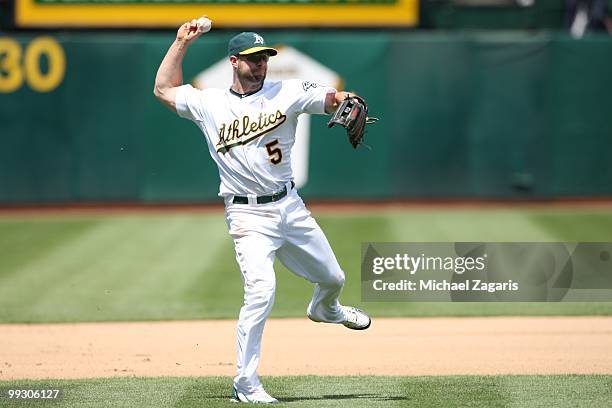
x,y
204,24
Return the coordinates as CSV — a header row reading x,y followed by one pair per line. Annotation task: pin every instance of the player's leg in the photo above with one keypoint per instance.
x,y
306,252
255,257
324,272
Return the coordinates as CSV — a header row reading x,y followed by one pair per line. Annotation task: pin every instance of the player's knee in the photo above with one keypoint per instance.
x,y
336,279
258,300
340,279
261,289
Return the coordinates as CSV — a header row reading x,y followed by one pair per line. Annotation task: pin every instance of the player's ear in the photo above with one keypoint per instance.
x,y
233,60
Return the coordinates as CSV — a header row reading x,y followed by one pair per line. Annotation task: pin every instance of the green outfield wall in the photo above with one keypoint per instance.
x,y
500,115
492,14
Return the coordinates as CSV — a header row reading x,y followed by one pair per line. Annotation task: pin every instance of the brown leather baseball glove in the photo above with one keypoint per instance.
x,y
352,114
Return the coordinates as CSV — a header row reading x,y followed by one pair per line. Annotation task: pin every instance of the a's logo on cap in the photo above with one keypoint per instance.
x,y
259,39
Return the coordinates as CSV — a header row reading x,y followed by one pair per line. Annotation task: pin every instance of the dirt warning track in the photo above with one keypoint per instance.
x,y
392,346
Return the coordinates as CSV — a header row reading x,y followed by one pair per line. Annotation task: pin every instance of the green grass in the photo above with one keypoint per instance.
x,y
182,266
590,391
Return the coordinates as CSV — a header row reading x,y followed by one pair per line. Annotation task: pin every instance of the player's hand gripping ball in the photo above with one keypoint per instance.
x,y
193,29
204,24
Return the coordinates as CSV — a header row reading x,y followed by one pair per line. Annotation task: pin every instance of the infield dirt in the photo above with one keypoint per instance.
x,y
392,346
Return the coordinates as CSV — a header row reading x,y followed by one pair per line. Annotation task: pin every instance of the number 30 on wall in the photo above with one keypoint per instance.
x,y
14,69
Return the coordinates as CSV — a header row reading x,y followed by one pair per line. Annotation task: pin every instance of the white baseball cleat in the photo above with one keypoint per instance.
x,y
355,319
256,397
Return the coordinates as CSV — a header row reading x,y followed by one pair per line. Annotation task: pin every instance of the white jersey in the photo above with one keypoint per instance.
x,y
250,137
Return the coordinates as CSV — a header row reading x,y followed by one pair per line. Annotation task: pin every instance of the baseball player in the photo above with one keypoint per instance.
x,y
250,128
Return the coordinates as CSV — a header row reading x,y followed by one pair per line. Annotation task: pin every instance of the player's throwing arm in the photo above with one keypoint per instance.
x,y
170,72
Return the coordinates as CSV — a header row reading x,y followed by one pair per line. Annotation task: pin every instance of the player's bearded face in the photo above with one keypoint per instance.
x,y
252,68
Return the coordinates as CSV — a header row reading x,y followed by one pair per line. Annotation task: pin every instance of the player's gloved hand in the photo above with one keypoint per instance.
x,y
189,31
352,114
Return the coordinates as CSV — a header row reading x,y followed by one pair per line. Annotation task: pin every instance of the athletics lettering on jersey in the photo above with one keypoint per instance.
x,y
240,132
227,121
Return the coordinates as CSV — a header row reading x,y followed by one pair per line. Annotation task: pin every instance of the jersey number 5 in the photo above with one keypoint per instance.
x,y
274,152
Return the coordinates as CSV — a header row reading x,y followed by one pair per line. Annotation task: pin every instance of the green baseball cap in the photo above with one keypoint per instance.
x,y
248,43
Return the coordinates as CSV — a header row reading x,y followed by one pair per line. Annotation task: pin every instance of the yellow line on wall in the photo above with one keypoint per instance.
x,y
31,14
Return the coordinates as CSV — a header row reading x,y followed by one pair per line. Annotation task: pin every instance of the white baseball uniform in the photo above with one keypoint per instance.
x,y
250,138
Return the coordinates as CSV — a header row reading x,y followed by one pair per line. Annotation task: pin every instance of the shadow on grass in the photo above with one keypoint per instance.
x,y
374,397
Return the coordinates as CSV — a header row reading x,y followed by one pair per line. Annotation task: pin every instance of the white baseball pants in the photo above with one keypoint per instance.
x,y
285,229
